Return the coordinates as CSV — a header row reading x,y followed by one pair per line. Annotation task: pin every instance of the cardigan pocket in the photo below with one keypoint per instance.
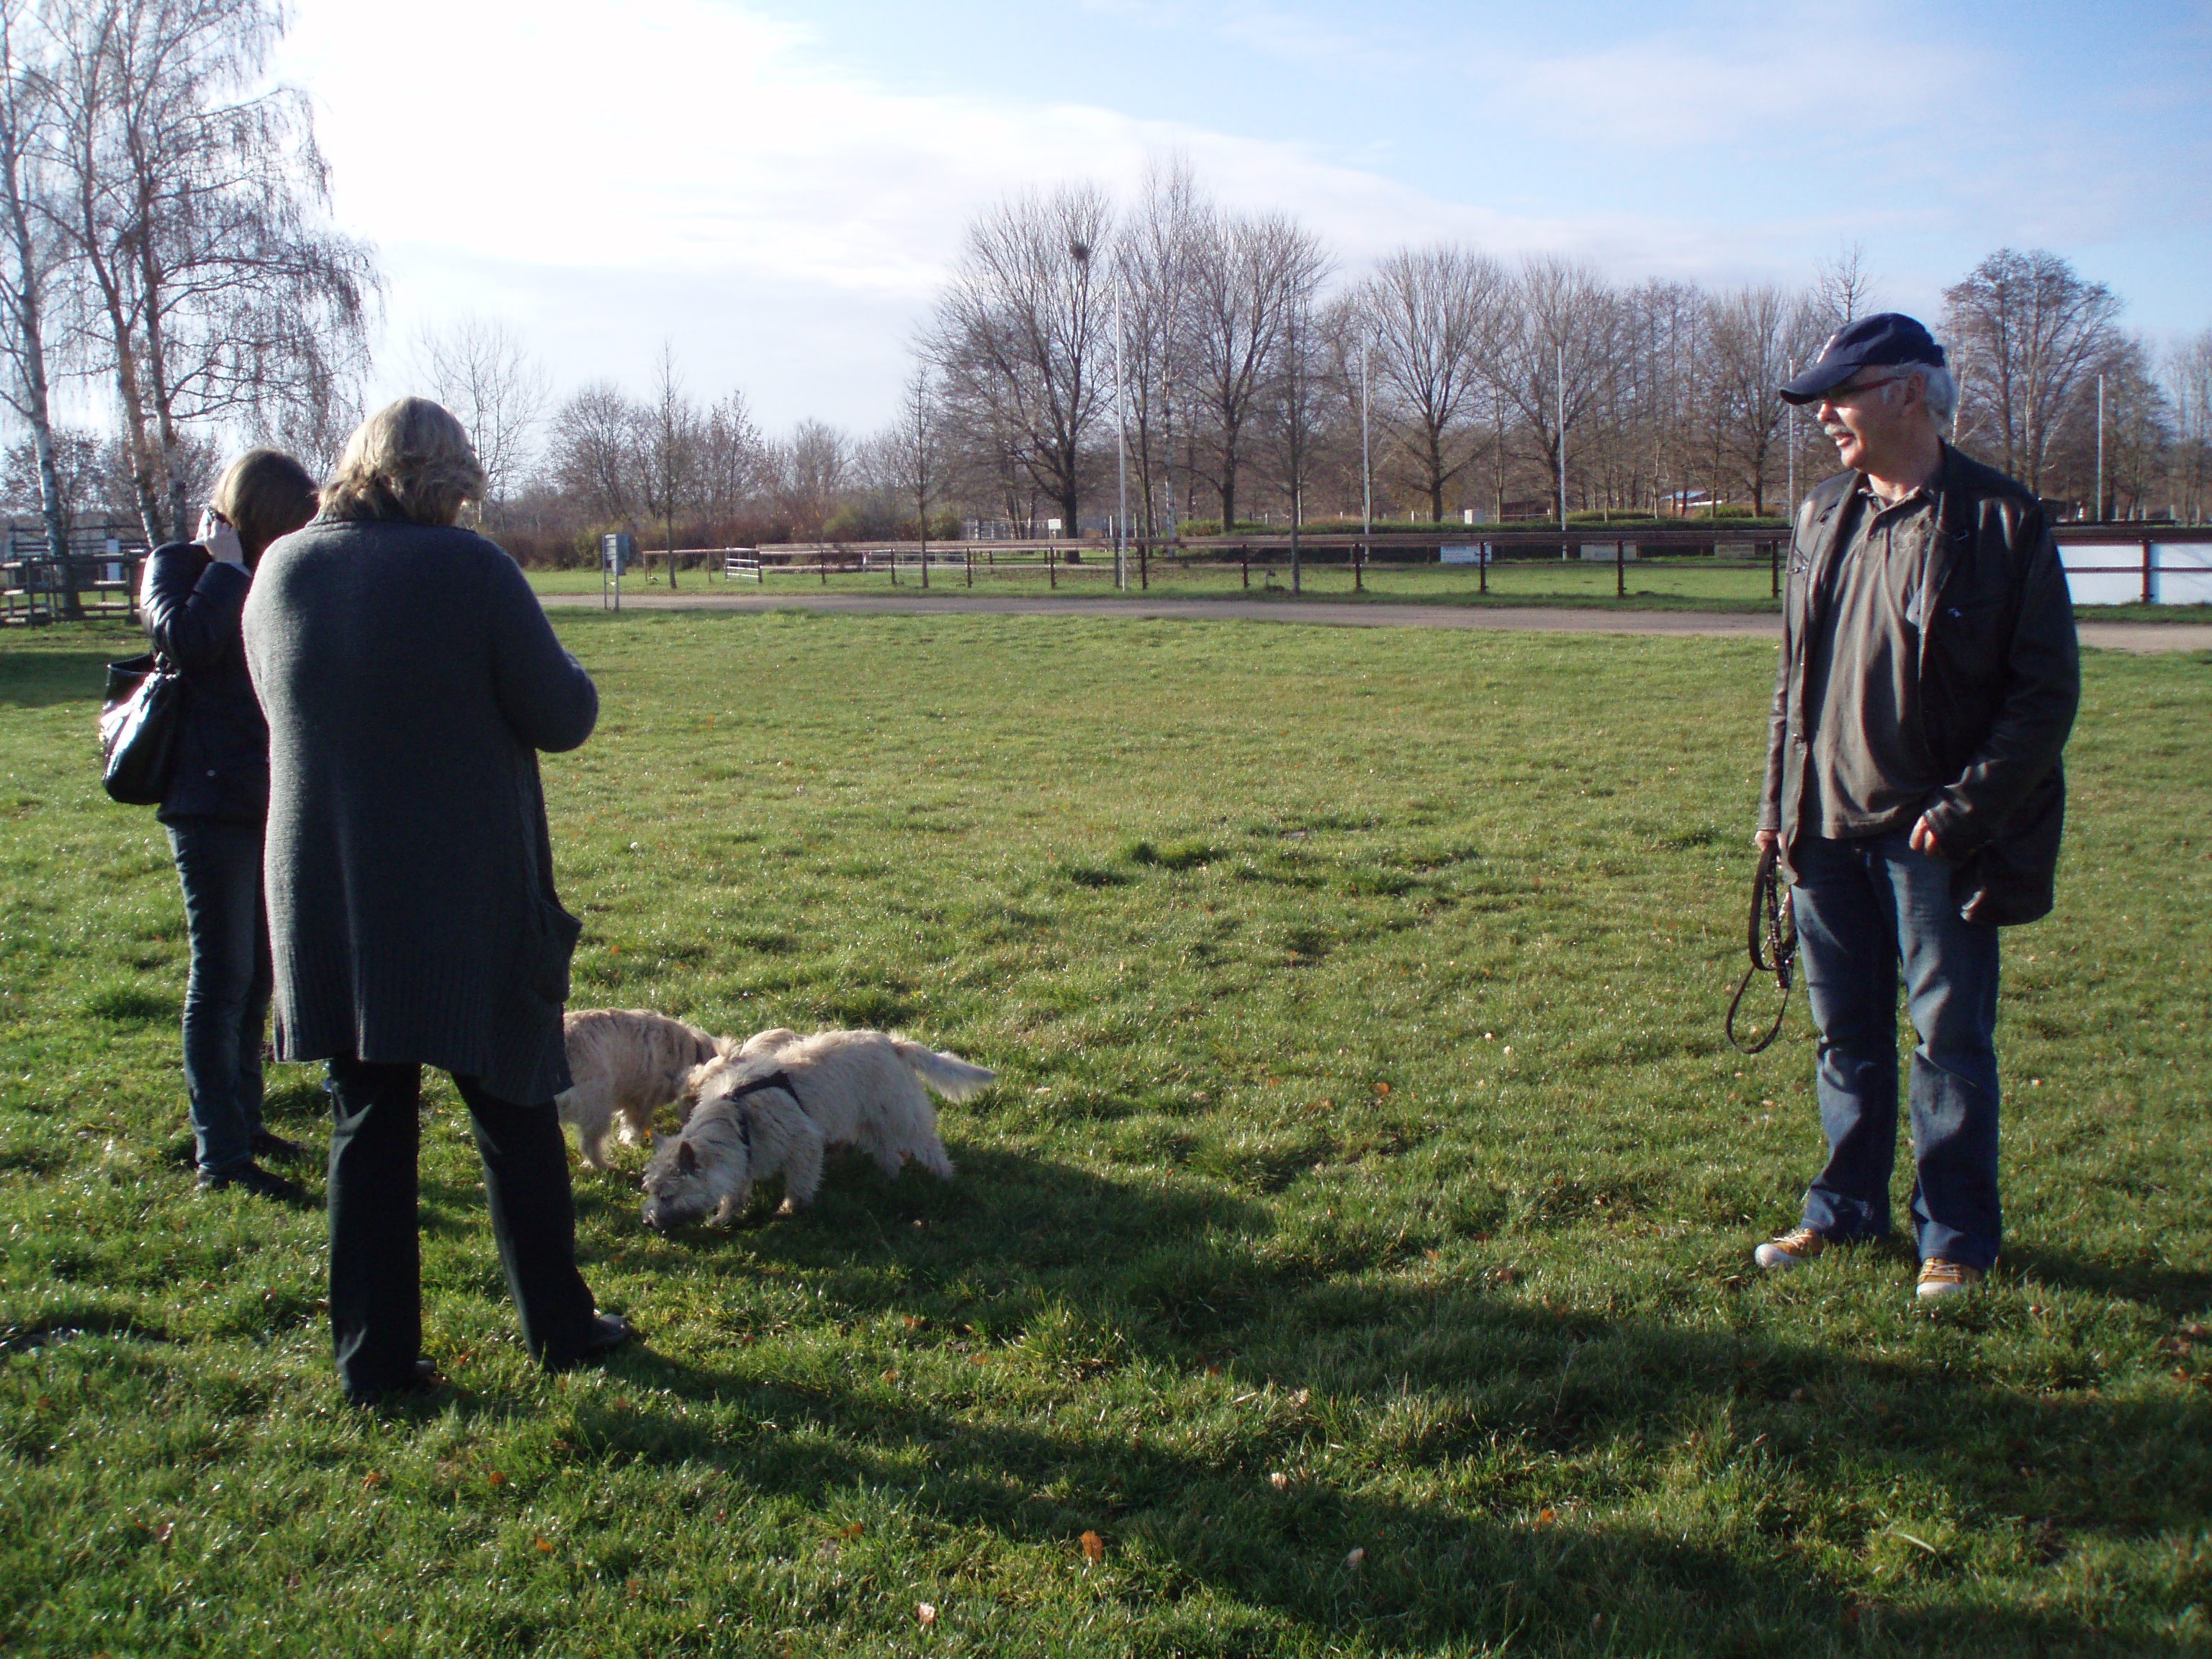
x,y
551,952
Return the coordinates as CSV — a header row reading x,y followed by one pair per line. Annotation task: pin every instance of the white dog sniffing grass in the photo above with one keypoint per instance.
x,y
624,1064
777,1102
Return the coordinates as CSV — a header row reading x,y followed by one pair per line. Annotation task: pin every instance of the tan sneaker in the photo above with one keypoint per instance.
x,y
1792,1249
1939,1279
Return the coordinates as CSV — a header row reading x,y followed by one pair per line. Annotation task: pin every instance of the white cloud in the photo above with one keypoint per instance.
x,y
605,177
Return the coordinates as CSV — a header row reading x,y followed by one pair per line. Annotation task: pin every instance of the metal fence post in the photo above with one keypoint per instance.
x,y
2149,575
1774,557
1620,570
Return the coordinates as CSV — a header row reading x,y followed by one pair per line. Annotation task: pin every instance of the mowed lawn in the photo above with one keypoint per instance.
x,y
1651,584
1352,1257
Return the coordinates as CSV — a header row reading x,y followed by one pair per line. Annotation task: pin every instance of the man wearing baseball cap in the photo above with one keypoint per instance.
x,y
1927,684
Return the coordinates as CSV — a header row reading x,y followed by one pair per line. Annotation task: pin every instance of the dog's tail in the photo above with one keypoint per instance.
x,y
948,1074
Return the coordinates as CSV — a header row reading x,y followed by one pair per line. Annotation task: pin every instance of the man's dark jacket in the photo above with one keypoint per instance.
x,y
192,605
1999,680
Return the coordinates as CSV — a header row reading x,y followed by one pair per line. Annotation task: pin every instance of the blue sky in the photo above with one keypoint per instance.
x,y
776,188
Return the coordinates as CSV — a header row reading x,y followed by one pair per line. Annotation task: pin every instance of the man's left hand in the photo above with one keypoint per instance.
x,y
1923,838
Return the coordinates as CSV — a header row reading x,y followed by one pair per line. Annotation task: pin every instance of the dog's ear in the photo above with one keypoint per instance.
x,y
686,1159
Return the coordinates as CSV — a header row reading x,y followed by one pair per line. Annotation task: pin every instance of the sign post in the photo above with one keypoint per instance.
x,y
616,550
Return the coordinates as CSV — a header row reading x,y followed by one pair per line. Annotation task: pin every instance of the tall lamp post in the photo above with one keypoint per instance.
x,y
1560,385
1366,479
1121,458
2100,449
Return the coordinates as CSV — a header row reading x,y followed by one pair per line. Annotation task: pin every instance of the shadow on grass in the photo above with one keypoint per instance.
x,y
41,678
2175,1291
1450,1380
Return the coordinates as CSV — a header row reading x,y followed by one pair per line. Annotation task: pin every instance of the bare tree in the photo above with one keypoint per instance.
x,y
1844,290
812,469
1248,275
732,463
480,369
1434,317
1558,354
2189,388
920,467
194,203
1152,264
1753,336
668,445
1019,335
594,453
2031,334
26,287
1295,415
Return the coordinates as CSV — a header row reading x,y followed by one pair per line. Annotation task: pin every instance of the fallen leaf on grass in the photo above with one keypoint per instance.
x,y
371,1481
1094,1548
161,1533
544,1548
1545,1517
1381,1088
1357,1559
496,1478
1280,1481
926,1612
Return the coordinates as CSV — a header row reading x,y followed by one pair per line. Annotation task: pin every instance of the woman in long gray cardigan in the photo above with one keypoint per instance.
x,y
410,679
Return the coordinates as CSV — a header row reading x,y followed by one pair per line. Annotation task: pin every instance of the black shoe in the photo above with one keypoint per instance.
x,y
608,1332
275,1148
421,1377
253,1178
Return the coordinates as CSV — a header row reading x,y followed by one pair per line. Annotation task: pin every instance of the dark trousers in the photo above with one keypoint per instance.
x,y
1867,909
227,998
376,1283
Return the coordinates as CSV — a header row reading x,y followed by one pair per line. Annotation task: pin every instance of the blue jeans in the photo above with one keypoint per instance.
x,y
1864,908
227,998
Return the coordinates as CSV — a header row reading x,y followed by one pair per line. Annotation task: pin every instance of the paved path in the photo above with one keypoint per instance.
x,y
2110,637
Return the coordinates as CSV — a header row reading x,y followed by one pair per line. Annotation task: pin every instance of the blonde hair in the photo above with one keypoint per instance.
x,y
411,460
263,493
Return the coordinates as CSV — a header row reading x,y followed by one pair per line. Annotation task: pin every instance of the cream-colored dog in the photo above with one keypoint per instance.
x,y
624,1064
775,1104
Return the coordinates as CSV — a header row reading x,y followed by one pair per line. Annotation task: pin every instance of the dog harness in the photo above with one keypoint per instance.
x,y
758,1085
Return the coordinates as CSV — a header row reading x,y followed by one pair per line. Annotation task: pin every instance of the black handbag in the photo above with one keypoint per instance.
x,y
141,722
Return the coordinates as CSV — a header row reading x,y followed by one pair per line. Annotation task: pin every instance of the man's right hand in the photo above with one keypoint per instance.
x,y
1764,841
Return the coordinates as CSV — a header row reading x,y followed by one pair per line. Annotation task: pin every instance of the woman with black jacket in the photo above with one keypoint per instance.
x,y
193,597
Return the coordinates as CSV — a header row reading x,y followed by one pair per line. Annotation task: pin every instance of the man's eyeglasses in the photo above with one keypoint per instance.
x,y
1845,393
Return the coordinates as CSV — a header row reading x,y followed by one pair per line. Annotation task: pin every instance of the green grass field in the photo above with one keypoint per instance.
x,y
1354,1257
1696,584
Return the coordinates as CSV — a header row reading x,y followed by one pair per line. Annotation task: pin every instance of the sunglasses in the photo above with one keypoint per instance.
x,y
1844,393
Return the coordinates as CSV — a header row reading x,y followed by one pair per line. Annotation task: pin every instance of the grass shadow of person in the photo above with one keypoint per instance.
x,y
2176,1293
1467,1395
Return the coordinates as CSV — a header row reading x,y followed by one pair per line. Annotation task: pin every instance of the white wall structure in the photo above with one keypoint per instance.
x,y
2113,573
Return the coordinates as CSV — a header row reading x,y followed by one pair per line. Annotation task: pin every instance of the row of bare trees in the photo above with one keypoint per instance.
x,y
163,235
1200,349
1195,355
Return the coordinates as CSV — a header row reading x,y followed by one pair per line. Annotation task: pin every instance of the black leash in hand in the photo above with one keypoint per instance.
x,y
1772,940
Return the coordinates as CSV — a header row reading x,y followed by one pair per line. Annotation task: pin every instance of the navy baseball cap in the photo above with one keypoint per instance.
x,y
1888,337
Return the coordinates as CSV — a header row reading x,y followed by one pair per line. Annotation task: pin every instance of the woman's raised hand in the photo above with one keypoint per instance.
x,y
219,539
